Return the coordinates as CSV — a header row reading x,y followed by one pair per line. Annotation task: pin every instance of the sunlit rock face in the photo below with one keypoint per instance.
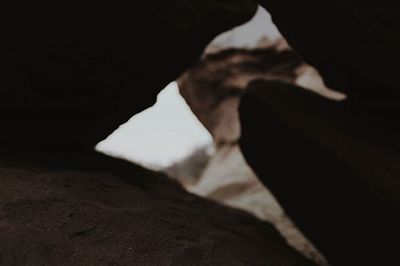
x,y
214,85
213,88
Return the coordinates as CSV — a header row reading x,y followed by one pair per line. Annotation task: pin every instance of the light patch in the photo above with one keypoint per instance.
x,y
248,35
161,135
310,79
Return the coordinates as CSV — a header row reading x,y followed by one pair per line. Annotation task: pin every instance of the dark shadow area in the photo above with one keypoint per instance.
x,y
332,169
96,210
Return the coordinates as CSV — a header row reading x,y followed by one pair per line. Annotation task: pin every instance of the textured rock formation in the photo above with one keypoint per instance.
x,y
334,166
213,88
354,44
73,72
334,172
110,212
229,180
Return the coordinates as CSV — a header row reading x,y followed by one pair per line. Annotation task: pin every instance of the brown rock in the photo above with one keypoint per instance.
x,y
334,172
354,44
87,217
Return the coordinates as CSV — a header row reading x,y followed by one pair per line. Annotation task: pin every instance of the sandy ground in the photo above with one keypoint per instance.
x,y
123,215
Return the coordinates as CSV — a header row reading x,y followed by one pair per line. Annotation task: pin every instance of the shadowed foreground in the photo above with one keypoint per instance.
x,y
110,217
332,166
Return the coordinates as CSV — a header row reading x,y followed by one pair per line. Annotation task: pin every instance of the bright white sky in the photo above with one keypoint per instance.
x,y
249,34
161,135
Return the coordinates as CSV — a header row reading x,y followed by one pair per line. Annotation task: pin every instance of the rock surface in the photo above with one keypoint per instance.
x,y
108,212
213,88
229,180
72,75
334,166
333,171
354,44
73,72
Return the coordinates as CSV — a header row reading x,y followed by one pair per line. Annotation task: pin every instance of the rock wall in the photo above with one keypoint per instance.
x,y
352,43
334,173
333,165
213,89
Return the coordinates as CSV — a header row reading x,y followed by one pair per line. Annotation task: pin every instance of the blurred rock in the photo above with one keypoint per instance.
x,y
317,155
333,171
213,88
229,180
354,44
104,211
